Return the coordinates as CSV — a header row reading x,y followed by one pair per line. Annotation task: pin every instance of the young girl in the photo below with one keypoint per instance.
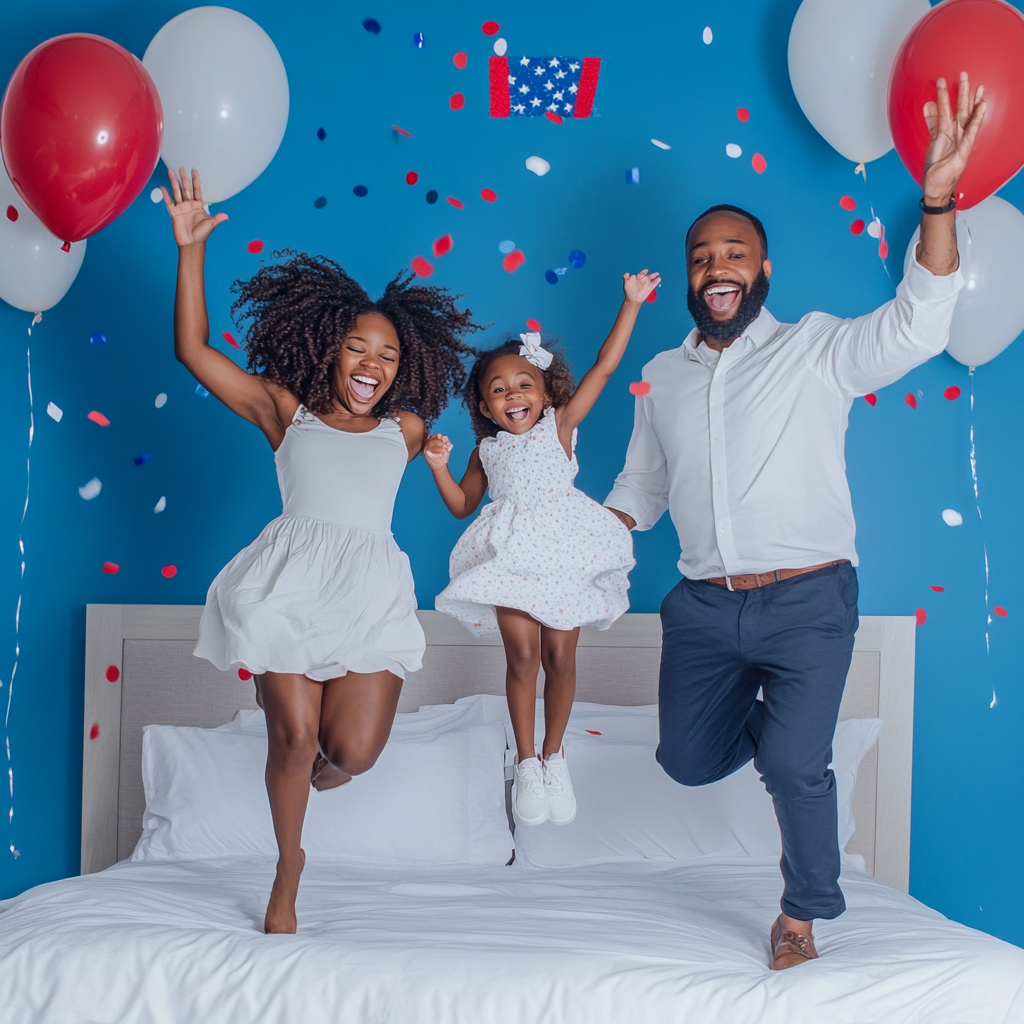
x,y
542,559
321,606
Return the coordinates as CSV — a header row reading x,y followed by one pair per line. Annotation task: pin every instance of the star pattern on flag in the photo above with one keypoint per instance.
x,y
539,85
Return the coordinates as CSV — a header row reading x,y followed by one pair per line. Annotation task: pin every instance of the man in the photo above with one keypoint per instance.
x,y
741,438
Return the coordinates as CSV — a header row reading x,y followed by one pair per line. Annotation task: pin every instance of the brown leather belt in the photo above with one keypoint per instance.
x,y
753,580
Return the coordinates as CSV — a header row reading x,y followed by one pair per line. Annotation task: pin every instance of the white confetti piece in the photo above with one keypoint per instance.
x,y
55,412
994,703
660,144
708,35
160,505
875,228
91,489
500,46
538,165
733,150
161,400
156,195
507,246
951,517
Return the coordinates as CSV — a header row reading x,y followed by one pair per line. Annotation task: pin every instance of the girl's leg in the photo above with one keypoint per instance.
x,y
520,634
292,706
558,656
356,714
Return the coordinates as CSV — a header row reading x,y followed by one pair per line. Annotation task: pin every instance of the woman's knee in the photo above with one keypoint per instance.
x,y
292,741
352,755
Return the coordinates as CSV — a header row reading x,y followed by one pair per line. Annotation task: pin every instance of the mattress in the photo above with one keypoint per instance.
x,y
155,943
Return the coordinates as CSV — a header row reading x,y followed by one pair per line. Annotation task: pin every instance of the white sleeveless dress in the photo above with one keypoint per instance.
x,y
541,545
324,589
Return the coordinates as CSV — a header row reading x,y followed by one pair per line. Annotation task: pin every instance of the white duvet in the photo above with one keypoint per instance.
x,y
622,944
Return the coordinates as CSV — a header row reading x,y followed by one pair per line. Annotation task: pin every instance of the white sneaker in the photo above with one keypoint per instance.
x,y
558,786
529,798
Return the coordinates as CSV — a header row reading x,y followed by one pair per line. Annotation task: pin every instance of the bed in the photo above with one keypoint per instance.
x,y
616,942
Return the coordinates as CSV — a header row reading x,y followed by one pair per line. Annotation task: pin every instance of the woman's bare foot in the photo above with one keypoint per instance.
x,y
326,776
280,918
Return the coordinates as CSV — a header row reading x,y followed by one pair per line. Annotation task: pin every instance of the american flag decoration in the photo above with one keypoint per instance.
x,y
540,86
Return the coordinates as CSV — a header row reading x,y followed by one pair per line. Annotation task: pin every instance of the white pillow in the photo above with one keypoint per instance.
x,y
435,796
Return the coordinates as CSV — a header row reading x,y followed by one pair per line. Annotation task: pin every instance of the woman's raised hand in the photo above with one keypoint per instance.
x,y
436,450
637,287
189,218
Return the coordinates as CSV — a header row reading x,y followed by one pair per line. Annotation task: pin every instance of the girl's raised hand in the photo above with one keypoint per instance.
x,y
189,219
637,287
436,449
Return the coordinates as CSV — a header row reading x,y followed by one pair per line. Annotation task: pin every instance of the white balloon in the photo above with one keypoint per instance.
x,y
34,273
840,55
224,91
989,310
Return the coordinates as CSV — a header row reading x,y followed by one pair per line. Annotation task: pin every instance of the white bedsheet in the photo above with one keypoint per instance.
x,y
622,944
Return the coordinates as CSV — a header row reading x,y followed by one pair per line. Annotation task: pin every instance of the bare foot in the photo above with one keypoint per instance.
x,y
326,776
280,918
792,943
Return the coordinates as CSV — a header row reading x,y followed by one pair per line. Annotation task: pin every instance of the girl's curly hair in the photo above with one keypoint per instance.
x,y
302,309
558,384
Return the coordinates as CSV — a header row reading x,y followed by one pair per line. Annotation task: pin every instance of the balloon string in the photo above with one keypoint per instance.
x,y
863,172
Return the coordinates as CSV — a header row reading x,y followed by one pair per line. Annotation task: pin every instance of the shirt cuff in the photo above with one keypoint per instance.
x,y
924,288
622,500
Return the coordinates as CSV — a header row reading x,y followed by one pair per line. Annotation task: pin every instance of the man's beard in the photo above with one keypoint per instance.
x,y
725,330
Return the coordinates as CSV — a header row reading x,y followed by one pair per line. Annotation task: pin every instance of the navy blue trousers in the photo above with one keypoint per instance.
x,y
794,639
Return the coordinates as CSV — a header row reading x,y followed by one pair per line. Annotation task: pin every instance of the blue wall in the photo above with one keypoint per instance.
x,y
658,79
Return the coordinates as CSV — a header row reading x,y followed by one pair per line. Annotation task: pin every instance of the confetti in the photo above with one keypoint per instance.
x,y
91,489
411,177
421,267
457,203
733,150
360,190
231,341
490,28
951,517
141,460
552,116
94,732
921,615
883,249
759,163
871,399
910,400
857,227
538,165
848,202
417,40
937,590
514,260
372,25
561,271
111,568
320,202
653,297
639,388
507,246
99,338
244,674
875,228
161,400
632,175
951,394
401,131
488,195
707,35
113,673
442,245
201,391
660,144
321,134
743,114
577,258
255,246
593,732
533,325
169,571
432,197
460,60
160,505
1000,611
500,47
55,412
155,196
457,102
98,418
551,277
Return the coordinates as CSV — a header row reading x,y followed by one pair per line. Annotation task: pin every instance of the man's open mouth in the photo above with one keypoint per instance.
x,y
723,296
519,414
363,387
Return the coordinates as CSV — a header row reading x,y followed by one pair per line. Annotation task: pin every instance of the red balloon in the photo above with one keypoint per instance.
x,y
985,38
80,132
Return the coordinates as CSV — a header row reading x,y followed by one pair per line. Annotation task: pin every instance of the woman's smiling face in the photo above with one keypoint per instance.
x,y
367,363
513,394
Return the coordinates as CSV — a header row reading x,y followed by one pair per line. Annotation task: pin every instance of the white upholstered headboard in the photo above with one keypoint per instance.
x,y
158,681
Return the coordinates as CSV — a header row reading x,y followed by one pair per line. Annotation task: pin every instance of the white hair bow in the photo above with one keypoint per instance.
x,y
534,352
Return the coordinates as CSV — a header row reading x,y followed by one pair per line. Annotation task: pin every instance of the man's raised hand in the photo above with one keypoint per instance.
x,y
189,218
952,138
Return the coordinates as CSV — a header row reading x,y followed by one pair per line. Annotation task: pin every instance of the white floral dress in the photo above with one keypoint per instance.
x,y
541,545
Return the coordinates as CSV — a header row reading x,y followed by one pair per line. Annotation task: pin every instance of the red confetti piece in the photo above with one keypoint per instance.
x,y
951,393
640,388
457,203
460,59
871,399
12,213
94,732
910,400
422,267
533,325
938,590
848,203
921,615
857,227
490,28
411,177
514,260
653,297
402,131
457,102
488,195
113,673
111,568
883,249
552,116
442,245
231,341
743,114
244,674
593,732
255,246
759,163
98,417
168,571
1000,611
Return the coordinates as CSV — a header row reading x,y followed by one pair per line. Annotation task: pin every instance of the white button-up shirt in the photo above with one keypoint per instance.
x,y
746,449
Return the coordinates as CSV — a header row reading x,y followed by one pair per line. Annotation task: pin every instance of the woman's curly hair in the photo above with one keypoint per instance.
x,y
302,309
558,384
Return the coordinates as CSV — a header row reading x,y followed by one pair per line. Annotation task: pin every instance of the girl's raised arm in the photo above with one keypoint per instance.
x,y
462,498
261,402
636,288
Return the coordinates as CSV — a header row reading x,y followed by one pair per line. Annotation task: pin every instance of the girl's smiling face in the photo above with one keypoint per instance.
x,y
367,363
513,394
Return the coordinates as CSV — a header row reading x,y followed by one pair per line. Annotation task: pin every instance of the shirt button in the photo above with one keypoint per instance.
x,y
719,482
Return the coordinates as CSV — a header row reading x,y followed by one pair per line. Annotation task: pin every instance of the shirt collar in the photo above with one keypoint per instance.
x,y
761,330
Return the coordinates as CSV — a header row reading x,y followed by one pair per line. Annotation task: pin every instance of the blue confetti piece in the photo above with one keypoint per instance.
x,y
506,247
551,277
320,203
432,197
99,338
201,391
321,134
141,460
417,40
372,25
360,190
577,258
632,175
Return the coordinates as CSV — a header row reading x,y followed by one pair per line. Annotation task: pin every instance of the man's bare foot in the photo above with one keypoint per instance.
x,y
791,942
280,918
326,776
